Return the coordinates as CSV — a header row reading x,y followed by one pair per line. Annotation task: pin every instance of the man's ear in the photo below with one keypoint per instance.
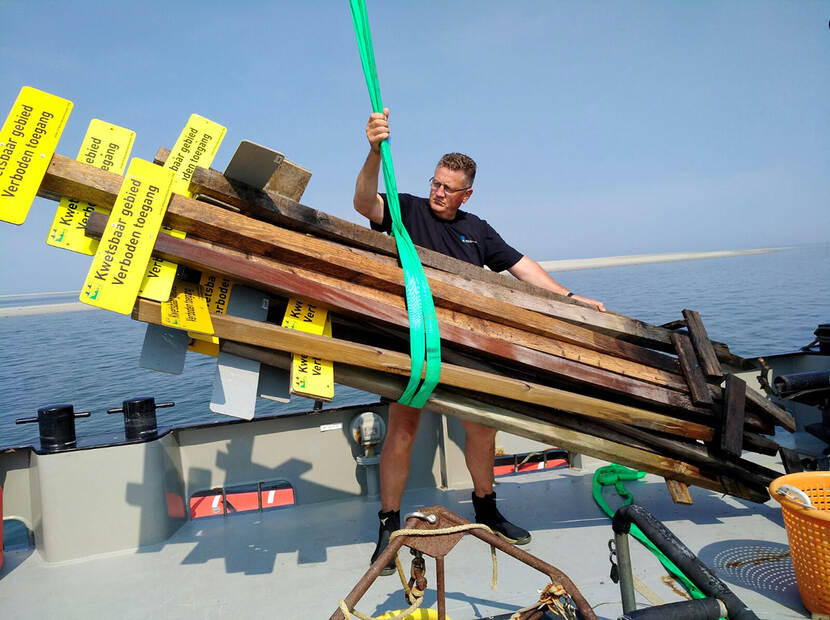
x,y
467,195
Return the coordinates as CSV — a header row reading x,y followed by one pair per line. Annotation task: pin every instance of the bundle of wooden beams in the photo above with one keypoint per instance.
x,y
515,357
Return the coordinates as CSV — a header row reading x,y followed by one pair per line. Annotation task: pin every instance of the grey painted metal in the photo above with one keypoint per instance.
x,y
235,386
297,562
274,384
108,499
236,381
253,164
164,349
623,553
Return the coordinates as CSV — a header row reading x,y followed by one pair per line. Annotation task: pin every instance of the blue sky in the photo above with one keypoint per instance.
x,y
599,128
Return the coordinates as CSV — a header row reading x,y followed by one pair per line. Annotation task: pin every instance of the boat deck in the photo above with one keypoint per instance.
x,y
298,561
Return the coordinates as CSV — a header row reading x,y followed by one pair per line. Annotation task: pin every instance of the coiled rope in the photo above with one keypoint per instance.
x,y
414,595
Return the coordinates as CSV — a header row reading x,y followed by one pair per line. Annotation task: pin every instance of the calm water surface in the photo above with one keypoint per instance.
x,y
758,304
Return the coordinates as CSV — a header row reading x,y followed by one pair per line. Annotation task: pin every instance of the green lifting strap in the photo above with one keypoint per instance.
x,y
615,475
424,339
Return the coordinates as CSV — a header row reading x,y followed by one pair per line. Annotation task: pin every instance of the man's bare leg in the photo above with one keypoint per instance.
x,y
480,454
394,470
397,450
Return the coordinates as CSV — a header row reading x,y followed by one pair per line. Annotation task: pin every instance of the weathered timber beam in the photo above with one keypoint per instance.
x,y
276,337
466,408
397,339
67,177
493,318
782,417
257,272
216,224
278,209
698,388
760,411
241,232
741,471
679,492
706,356
734,400
273,207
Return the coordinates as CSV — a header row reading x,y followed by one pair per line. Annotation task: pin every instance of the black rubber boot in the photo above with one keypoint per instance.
x,y
389,522
489,515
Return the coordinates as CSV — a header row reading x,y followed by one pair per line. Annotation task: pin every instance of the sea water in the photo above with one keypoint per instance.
x,y
758,304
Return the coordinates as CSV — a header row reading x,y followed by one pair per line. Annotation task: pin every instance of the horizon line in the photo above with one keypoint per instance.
x,y
565,264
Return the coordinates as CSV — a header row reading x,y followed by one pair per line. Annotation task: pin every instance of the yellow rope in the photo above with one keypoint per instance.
x,y
550,599
452,530
344,608
415,592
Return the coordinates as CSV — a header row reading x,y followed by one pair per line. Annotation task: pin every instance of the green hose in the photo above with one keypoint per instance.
x,y
424,339
615,475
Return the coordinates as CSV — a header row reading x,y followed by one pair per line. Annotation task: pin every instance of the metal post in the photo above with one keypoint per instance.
x,y
626,576
439,586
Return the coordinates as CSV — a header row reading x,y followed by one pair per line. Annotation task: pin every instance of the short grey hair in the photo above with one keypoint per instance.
x,y
459,161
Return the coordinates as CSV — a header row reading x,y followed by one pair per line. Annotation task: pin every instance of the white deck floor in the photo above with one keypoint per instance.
x,y
297,562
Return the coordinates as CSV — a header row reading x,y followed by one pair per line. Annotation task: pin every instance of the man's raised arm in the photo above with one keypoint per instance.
x,y
366,201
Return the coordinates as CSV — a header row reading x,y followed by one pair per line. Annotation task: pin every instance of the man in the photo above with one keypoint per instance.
x,y
439,224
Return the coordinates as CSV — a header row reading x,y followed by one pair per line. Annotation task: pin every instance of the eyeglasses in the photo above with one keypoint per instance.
x,y
436,185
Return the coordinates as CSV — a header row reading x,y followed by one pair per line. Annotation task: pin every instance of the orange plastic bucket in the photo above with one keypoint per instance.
x,y
808,531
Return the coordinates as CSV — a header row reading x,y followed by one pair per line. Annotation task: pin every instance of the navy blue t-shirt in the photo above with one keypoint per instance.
x,y
467,237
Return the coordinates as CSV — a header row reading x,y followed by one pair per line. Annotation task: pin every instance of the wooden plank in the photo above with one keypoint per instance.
x,y
265,206
702,345
264,275
190,222
548,432
240,232
678,491
390,278
733,487
732,430
67,177
698,389
791,461
758,443
263,168
374,358
692,452
756,417
781,416
290,180
688,451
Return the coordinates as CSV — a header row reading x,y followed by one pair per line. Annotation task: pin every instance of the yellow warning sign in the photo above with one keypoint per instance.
x,y
312,377
27,142
217,290
187,309
197,345
196,146
304,316
127,243
104,146
158,279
